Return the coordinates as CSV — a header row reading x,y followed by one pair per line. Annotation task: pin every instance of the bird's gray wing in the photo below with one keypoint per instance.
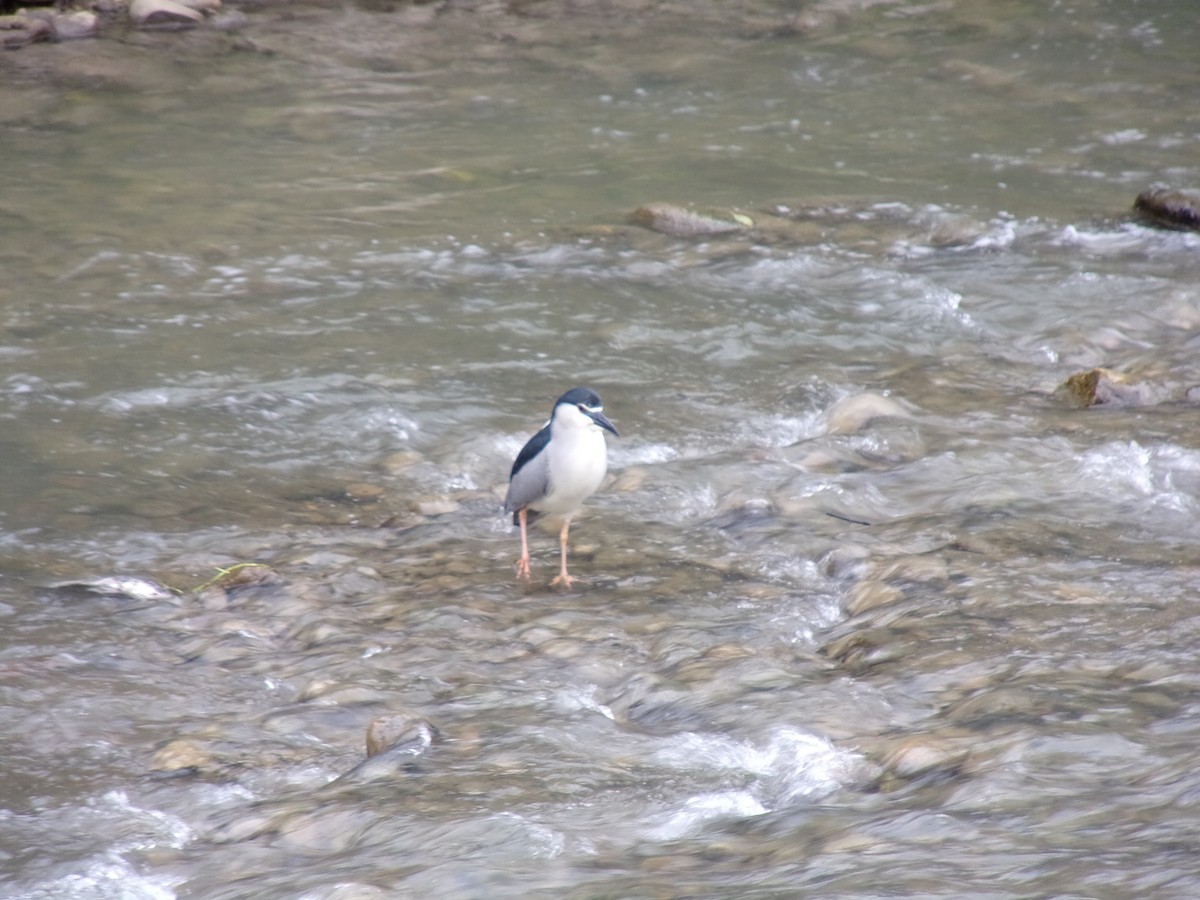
x,y
530,478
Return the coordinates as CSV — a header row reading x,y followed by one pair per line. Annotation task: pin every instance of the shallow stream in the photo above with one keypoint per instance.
x,y
870,607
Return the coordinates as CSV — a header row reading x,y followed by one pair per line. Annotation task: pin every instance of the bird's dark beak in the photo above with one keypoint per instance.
x,y
600,419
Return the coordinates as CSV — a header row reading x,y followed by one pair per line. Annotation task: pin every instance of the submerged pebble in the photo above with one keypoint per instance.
x,y
404,732
437,506
652,703
856,412
183,756
323,830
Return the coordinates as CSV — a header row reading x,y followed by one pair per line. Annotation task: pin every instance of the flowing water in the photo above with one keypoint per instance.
x,y
869,607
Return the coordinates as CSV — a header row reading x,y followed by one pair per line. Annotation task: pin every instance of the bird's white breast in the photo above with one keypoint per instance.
x,y
577,467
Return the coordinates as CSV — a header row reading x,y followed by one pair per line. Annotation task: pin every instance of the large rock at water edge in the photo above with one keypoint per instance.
x,y
1173,208
163,14
72,26
1108,387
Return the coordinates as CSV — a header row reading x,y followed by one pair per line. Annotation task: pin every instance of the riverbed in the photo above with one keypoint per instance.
x,y
869,606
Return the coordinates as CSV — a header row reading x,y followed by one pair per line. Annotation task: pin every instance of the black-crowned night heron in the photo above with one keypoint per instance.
x,y
558,468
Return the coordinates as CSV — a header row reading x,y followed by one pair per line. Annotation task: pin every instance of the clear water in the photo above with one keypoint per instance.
x,y
869,609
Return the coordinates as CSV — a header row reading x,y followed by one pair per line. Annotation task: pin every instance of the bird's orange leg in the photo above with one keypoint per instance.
x,y
523,562
563,578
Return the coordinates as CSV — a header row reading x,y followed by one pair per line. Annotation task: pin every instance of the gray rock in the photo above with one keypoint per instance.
x,y
163,14
19,30
437,506
654,705
852,414
133,587
230,20
72,26
680,222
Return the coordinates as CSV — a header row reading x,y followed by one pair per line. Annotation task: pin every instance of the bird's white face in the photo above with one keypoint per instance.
x,y
572,416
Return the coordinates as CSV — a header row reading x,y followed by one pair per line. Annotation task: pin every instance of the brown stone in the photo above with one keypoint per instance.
x,y
1169,207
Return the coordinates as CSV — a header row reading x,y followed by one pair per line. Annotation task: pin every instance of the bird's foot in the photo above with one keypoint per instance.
x,y
523,571
563,580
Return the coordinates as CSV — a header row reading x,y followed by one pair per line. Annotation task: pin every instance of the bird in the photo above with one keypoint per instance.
x,y
558,468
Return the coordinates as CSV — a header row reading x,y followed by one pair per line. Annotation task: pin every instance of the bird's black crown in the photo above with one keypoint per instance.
x,y
581,396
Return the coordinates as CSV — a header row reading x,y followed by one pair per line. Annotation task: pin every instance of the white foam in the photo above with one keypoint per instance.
x,y
705,808
1167,475
641,454
108,875
110,878
791,766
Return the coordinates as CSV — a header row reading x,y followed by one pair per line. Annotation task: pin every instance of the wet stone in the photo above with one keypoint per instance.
x,y
923,569
861,650
617,560
75,25
706,665
324,830
510,651
163,14
230,20
922,754
325,559
630,480
845,561
680,222
403,731
183,756
566,648
888,581
329,722
246,628
354,891
997,706
17,31
1170,207
229,649
868,595
459,567
129,586
338,693
313,634
399,461
1107,387
243,826
537,636
442,584
857,412
437,506
212,598
360,492
759,676
653,704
